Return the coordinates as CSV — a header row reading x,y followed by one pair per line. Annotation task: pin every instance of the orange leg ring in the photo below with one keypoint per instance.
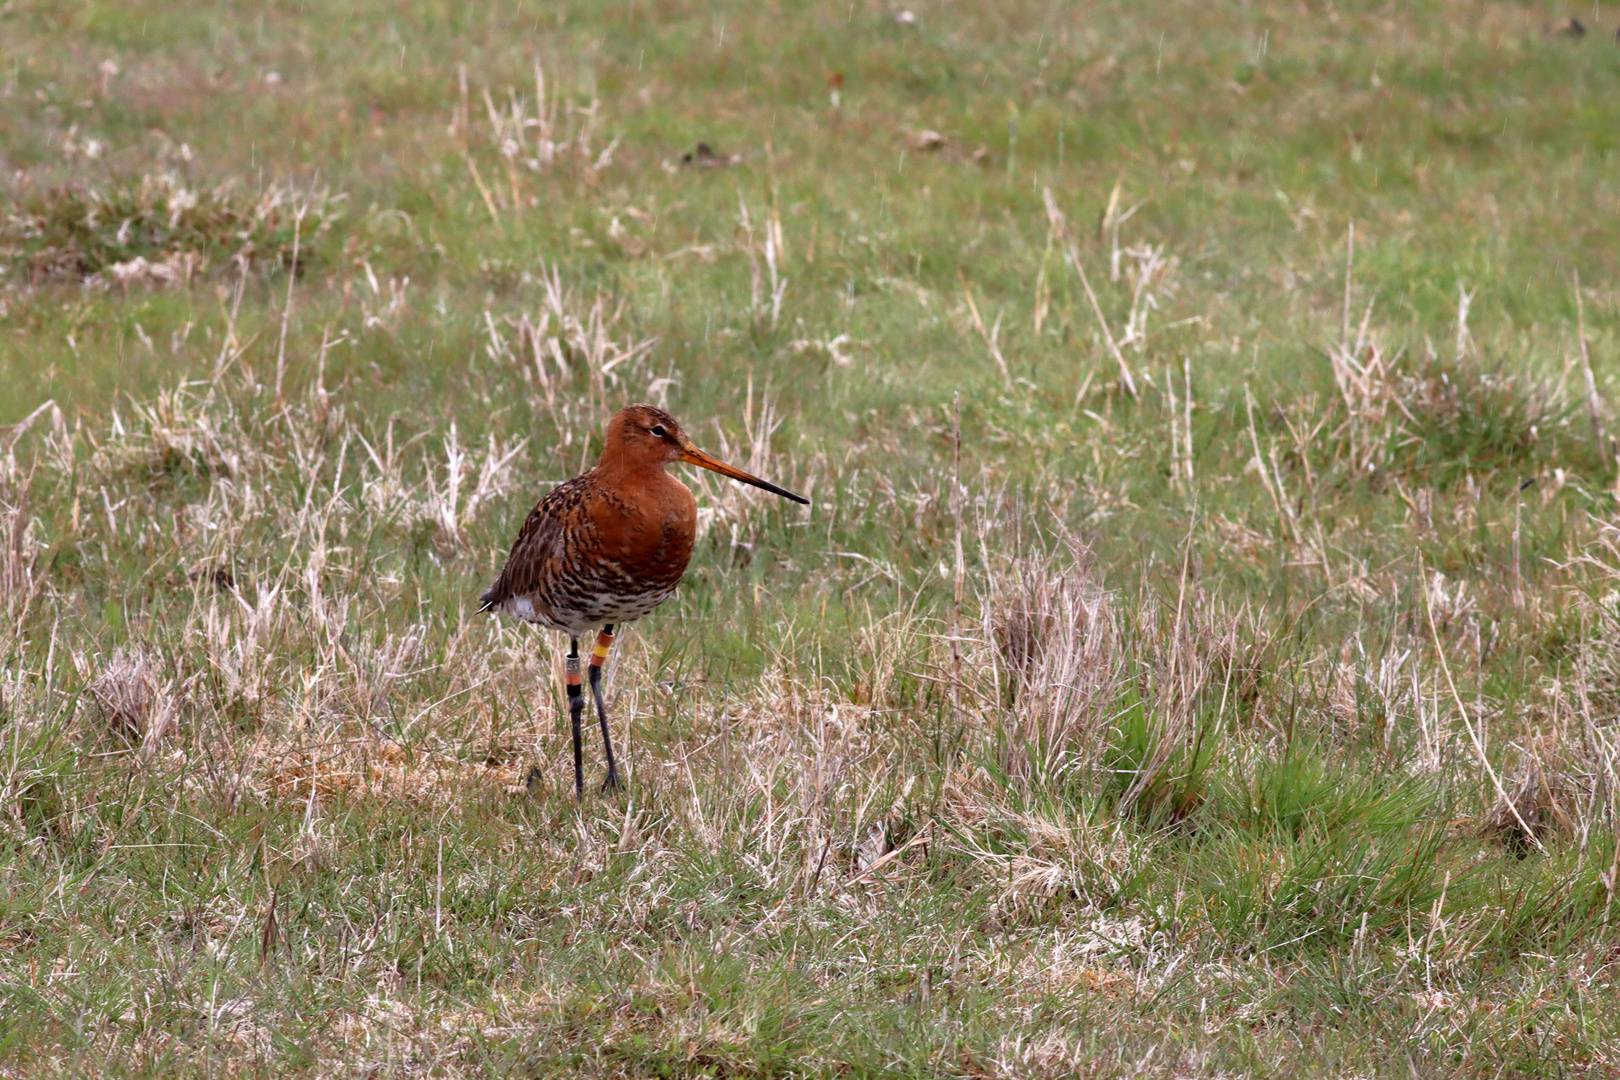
x,y
604,645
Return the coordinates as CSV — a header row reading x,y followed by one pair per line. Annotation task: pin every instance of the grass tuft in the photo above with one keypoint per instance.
x,y
156,231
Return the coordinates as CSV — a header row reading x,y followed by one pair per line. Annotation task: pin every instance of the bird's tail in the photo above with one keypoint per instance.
x,y
489,601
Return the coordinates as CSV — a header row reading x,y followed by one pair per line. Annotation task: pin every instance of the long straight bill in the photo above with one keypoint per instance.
x,y
693,456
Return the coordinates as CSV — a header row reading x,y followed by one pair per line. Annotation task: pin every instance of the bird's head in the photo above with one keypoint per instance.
x,y
646,434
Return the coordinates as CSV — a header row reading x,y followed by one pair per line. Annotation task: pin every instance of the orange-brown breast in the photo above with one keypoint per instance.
x,y
647,523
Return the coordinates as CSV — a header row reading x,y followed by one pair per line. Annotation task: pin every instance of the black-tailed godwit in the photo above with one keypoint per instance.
x,y
607,547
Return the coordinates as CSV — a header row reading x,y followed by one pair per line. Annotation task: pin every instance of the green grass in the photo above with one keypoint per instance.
x,y
1253,662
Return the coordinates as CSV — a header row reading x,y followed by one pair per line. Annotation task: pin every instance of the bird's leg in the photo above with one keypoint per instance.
x,y
604,644
576,707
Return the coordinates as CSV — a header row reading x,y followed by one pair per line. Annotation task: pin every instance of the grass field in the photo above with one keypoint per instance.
x,y
1238,693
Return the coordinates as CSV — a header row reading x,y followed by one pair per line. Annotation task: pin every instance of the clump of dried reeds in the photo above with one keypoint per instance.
x,y
535,136
1128,697
1058,643
17,548
1400,414
574,355
19,542
133,704
1532,809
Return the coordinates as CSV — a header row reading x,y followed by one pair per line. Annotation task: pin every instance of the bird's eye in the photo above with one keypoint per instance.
x,y
658,430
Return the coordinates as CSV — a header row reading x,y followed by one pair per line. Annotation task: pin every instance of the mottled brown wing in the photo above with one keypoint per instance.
x,y
539,542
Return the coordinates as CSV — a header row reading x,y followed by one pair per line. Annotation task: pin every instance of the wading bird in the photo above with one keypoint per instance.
x,y
608,546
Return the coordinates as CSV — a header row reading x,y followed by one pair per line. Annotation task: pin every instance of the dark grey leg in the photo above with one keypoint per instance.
x,y
604,643
576,707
